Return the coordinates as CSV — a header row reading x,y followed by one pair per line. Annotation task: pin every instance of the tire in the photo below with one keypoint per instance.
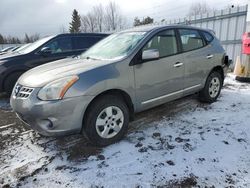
x,y
212,89
10,82
113,116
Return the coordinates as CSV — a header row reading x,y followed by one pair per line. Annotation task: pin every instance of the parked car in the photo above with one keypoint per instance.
x,y
15,49
127,72
22,47
6,50
42,51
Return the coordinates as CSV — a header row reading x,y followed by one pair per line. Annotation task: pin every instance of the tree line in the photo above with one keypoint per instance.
x,y
101,18
17,40
109,18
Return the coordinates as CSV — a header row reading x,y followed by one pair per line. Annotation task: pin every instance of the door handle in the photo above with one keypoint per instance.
x,y
210,56
178,64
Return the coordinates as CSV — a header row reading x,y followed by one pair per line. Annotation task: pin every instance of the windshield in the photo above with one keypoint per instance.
x,y
22,47
115,46
35,45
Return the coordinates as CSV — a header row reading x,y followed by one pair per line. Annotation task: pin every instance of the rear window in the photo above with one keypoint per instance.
x,y
208,37
85,42
190,39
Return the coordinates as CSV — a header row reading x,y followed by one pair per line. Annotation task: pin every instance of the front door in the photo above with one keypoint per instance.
x,y
160,80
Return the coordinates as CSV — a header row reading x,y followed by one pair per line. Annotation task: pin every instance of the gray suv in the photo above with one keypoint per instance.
x,y
98,92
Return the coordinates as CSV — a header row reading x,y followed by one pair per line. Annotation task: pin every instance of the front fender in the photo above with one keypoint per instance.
x,y
101,79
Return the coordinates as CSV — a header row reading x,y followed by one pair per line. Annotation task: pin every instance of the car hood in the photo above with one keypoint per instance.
x,y
41,75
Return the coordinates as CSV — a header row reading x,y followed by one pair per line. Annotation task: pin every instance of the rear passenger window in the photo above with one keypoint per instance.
x,y
85,42
190,39
165,42
208,37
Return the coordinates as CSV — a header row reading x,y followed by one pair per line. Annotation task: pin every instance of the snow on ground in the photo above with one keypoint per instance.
x,y
180,144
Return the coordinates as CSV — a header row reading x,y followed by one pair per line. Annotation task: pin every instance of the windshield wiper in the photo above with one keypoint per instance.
x,y
91,58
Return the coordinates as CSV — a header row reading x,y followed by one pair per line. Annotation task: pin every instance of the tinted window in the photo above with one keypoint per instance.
x,y
190,39
85,42
34,45
60,45
208,37
165,42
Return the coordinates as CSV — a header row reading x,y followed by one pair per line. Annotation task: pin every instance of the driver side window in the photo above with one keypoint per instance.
x,y
60,45
164,42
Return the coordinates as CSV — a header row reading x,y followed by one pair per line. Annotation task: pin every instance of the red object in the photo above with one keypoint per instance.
x,y
246,43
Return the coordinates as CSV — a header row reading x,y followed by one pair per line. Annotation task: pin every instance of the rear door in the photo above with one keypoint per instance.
x,y
161,80
195,58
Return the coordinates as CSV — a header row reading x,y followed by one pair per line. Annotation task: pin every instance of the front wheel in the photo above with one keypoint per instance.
x,y
106,121
212,88
10,82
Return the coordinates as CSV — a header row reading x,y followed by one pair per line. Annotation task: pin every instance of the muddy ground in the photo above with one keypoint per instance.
x,y
165,147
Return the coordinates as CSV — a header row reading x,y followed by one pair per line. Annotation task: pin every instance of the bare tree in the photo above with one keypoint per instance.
x,y
113,17
84,24
122,24
31,38
62,29
34,37
98,11
89,21
99,19
199,8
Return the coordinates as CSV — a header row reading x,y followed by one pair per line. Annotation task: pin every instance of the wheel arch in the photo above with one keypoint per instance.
x,y
116,92
9,74
218,69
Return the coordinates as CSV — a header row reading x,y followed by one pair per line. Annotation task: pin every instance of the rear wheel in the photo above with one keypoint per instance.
x,y
106,121
10,82
212,88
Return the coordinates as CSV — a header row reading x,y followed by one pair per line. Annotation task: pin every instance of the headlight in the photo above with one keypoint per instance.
x,y
57,89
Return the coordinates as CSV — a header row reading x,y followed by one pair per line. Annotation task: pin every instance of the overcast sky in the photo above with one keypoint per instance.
x,y
47,17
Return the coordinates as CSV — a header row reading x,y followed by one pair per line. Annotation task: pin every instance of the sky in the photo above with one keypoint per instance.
x,y
48,17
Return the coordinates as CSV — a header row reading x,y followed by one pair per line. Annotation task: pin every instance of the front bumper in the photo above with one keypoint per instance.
x,y
51,118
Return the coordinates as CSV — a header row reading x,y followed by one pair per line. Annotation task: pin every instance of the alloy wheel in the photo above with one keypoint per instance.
x,y
109,122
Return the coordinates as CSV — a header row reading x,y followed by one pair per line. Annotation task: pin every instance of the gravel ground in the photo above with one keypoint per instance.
x,y
179,144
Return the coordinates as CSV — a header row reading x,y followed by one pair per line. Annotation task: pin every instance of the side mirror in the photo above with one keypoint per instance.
x,y
151,54
45,51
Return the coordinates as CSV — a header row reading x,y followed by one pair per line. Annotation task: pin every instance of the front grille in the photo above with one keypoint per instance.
x,y
22,91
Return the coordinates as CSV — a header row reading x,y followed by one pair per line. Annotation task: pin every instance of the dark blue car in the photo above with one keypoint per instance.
x,y
45,50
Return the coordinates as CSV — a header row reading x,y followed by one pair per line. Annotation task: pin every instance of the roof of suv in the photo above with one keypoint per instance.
x,y
148,28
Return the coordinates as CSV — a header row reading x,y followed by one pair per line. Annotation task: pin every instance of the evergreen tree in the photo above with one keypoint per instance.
x,y
137,21
145,21
75,24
